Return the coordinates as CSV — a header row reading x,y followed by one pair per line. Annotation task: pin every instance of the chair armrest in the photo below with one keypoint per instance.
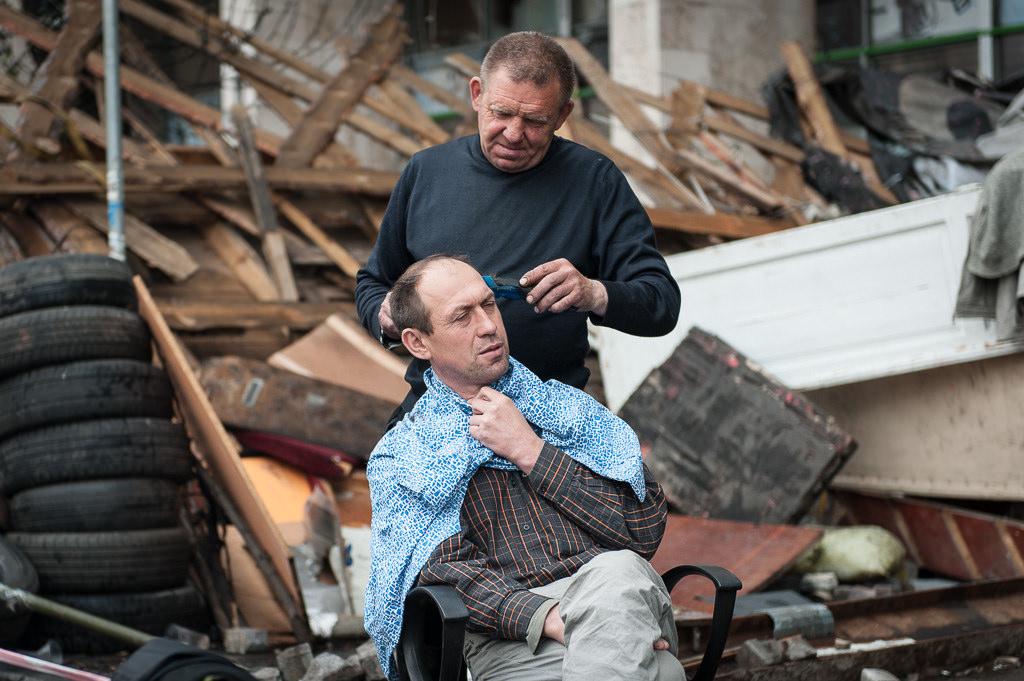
x,y
433,630
726,586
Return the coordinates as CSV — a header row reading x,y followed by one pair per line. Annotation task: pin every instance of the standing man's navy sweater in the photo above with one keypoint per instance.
x,y
575,204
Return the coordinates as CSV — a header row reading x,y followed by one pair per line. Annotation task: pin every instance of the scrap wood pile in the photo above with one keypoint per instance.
x,y
285,220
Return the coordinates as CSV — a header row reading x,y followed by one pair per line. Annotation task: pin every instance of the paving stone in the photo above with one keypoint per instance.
x,y
244,640
797,648
367,654
294,662
761,653
331,667
185,635
267,674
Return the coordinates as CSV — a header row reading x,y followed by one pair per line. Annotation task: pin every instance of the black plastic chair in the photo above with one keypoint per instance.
x,y
434,627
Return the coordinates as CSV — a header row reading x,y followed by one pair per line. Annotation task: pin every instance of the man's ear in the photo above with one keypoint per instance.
x,y
564,113
412,339
476,88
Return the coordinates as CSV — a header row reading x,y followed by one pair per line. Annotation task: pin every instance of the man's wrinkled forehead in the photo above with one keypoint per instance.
x,y
451,285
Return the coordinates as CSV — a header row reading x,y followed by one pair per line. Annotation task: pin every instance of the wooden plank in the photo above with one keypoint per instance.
x,y
220,456
241,259
719,224
378,132
811,99
70,233
10,249
263,207
382,133
203,314
686,109
335,251
663,183
165,179
955,542
401,102
132,81
212,45
212,22
406,76
628,111
294,406
30,235
766,144
154,248
285,107
57,80
465,65
340,96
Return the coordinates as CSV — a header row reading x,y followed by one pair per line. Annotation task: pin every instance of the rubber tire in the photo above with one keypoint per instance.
x,y
107,562
90,450
65,279
78,391
150,612
96,506
66,334
15,571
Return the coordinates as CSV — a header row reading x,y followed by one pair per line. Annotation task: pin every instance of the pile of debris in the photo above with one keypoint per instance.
x,y
248,248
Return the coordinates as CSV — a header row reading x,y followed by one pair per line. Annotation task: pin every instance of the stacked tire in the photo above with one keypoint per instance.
x,y
90,459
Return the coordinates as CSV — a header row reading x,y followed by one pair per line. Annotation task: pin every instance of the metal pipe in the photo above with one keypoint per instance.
x,y
43,606
35,664
112,114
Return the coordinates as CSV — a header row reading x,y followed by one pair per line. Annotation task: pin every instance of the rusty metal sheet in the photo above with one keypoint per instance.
x,y
728,441
756,553
954,542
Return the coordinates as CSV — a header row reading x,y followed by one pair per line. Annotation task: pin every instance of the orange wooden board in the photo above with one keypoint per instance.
x,y
756,553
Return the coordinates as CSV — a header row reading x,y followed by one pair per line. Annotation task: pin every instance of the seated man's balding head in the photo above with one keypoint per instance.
x,y
448,316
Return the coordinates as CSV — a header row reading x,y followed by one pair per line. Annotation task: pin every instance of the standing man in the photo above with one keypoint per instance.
x,y
526,205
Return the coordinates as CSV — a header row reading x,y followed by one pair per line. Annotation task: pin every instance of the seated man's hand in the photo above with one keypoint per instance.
x,y
554,628
497,424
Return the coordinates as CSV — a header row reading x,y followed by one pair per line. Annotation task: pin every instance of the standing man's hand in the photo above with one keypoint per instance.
x,y
498,424
387,324
558,286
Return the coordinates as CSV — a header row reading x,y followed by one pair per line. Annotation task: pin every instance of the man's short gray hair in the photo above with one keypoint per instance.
x,y
407,308
532,56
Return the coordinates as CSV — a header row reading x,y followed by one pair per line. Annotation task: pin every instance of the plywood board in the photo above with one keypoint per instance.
x,y
727,441
947,432
339,351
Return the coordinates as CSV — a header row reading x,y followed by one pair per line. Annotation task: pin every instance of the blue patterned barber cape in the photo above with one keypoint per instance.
x,y
421,468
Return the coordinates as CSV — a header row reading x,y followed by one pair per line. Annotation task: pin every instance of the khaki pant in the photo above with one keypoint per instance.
x,y
615,607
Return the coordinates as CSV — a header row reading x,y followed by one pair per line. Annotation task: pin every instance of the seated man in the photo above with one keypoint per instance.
x,y
529,498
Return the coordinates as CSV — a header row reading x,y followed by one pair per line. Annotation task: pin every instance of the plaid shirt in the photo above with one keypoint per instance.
x,y
522,531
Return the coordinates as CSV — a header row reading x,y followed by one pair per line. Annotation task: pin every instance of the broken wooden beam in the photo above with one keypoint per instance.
x,y
718,224
58,178
154,248
57,79
812,99
339,97
200,315
263,206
